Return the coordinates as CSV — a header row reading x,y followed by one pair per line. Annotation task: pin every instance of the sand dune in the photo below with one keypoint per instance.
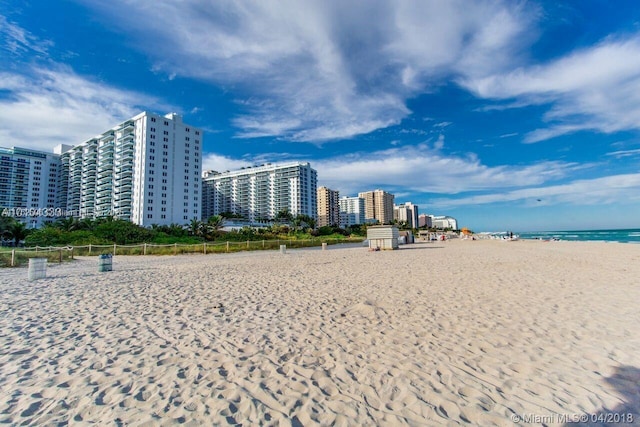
x,y
462,332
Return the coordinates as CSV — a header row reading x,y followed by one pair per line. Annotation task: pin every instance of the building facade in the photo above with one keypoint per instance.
x,y
28,185
328,207
442,222
408,213
378,206
351,211
260,193
424,220
146,170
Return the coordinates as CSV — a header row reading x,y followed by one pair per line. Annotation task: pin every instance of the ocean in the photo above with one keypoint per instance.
x,y
631,235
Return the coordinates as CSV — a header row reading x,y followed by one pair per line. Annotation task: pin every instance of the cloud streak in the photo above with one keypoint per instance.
x,y
57,106
587,192
595,89
316,71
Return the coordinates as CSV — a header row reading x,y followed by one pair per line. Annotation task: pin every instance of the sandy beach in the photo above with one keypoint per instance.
x,y
447,333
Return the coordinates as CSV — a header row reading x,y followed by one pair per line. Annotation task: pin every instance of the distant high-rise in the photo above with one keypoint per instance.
x,y
28,185
443,222
406,213
424,220
260,193
328,207
378,206
351,211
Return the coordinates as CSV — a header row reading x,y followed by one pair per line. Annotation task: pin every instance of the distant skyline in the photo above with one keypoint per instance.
x,y
507,115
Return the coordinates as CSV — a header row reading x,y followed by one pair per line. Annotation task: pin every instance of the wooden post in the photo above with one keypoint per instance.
x,y
114,249
89,249
144,249
36,248
13,257
247,244
263,244
175,249
227,246
71,252
204,248
60,255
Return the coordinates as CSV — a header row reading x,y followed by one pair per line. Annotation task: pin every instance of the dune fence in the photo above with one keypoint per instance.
x,y
15,257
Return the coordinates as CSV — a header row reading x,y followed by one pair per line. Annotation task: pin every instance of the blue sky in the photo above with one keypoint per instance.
x,y
517,115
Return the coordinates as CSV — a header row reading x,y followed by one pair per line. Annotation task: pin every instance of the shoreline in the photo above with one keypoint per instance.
x,y
459,331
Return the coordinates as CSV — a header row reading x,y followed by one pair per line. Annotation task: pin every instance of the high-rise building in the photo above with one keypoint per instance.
x,y
351,211
406,213
378,206
146,170
328,207
28,185
442,222
424,220
260,193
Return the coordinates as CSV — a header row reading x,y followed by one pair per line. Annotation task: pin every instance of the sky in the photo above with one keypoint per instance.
x,y
507,115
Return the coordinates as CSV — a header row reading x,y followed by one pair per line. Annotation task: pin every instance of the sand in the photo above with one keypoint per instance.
x,y
447,333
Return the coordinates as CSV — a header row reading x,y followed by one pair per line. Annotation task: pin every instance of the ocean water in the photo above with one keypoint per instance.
x,y
624,236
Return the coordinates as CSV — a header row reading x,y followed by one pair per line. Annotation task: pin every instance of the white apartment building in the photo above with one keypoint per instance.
x,y
28,185
408,213
442,222
145,170
259,193
351,211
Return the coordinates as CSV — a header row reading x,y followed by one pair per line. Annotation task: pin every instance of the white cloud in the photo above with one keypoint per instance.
x,y
57,106
422,169
624,153
596,191
596,88
18,41
324,70
218,163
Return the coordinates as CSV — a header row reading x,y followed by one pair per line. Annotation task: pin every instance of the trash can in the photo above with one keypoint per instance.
x,y
283,249
37,268
324,246
105,262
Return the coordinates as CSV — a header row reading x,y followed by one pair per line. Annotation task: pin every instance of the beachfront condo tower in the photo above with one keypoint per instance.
x,y
378,206
328,207
407,213
28,185
146,170
259,193
351,211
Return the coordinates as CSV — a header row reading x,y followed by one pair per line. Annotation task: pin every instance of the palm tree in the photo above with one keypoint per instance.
x,y
18,231
196,228
214,224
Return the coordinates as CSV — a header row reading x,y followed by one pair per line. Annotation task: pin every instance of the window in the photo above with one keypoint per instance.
x,y
153,119
166,123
